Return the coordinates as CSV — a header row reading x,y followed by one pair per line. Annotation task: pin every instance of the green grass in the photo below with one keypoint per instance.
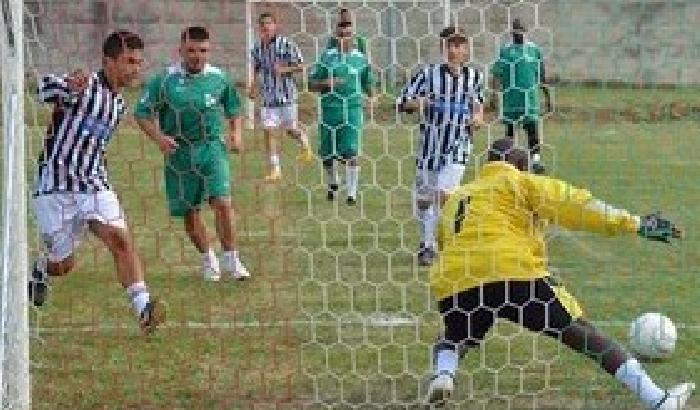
x,y
304,332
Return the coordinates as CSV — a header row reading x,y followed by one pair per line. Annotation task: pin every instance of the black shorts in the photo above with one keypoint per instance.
x,y
539,305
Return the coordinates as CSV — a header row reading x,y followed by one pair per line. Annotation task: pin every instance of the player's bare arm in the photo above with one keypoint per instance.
x,y
165,143
289,68
234,141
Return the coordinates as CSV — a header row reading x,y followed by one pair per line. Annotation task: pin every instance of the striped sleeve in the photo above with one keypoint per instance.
x,y
479,86
414,89
295,56
53,88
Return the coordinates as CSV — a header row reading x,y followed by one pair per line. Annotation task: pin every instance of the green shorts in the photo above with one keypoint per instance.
x,y
340,133
195,173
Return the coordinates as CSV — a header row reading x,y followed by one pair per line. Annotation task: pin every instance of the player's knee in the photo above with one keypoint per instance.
x,y
62,267
423,204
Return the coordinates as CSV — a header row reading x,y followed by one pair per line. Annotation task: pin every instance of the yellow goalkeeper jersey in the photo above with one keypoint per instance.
x,y
492,229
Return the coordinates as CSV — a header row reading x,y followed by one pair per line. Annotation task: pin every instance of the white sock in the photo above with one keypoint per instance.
x,y
352,179
139,296
209,258
331,174
632,375
275,163
303,138
446,362
535,158
427,219
230,258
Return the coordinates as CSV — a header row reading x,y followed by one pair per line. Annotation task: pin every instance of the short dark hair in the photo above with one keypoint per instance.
x,y
453,35
116,43
196,33
266,15
504,149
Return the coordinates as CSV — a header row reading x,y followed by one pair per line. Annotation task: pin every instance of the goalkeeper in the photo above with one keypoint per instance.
x,y
492,264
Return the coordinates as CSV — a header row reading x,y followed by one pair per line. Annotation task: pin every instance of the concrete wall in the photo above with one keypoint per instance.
x,y
652,41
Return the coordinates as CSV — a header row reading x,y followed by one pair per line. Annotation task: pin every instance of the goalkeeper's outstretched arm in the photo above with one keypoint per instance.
x,y
576,209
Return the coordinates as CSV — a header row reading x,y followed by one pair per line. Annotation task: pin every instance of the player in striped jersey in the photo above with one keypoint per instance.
x,y
73,191
449,97
275,60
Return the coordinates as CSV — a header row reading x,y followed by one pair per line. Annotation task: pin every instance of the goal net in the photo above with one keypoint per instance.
x,y
338,313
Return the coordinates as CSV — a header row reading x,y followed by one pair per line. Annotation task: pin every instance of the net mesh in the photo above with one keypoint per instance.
x,y
338,314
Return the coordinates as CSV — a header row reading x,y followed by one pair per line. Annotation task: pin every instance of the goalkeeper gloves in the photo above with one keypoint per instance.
x,y
656,228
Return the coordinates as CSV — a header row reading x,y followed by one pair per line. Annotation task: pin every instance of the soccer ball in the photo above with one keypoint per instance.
x,y
652,336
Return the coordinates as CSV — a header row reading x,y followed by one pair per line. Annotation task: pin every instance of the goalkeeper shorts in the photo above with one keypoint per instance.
x,y
540,305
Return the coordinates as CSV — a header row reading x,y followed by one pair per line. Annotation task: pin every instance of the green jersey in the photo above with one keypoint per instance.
x,y
353,71
190,107
359,42
519,69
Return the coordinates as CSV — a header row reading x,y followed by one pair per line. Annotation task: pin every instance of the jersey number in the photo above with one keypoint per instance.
x,y
461,214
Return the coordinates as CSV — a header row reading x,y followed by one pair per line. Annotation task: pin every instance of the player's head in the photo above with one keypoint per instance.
x,y
518,31
444,35
268,25
122,57
344,33
195,48
456,45
505,150
344,15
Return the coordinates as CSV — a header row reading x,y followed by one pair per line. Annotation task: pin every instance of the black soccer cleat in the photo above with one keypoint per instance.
x,y
351,201
152,316
538,169
332,189
426,256
38,286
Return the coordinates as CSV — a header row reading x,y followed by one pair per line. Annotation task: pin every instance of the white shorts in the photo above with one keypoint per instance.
x,y
63,217
279,117
430,183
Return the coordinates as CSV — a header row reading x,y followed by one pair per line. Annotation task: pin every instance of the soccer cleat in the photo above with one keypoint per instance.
x,y
676,398
151,316
351,201
440,389
210,269
306,156
332,189
426,255
235,268
38,285
538,169
273,176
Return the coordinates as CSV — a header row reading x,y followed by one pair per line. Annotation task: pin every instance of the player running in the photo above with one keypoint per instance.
x,y
344,77
492,264
450,99
73,191
190,99
275,61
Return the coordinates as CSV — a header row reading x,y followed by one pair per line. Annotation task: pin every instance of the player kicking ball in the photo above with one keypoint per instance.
x,y
343,76
491,265
73,192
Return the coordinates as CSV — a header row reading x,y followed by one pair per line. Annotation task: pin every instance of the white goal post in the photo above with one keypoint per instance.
x,y
14,346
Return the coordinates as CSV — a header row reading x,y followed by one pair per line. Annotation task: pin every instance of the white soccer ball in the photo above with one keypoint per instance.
x,y
653,336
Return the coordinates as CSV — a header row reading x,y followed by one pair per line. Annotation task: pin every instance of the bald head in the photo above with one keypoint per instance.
x,y
505,150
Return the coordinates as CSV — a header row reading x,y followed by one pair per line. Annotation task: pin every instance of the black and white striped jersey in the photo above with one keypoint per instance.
x,y
445,125
81,126
276,90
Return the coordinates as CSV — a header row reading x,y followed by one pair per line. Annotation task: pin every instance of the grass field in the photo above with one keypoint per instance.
x,y
337,314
